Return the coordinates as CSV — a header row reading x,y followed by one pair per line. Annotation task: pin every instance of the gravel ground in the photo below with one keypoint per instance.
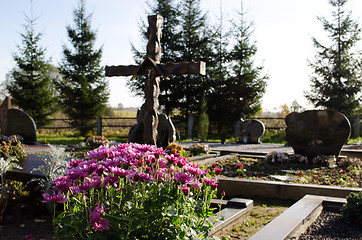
x,y
41,229
329,226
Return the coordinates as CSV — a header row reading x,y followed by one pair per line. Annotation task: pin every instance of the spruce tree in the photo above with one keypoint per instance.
x,y
84,90
218,72
336,79
30,83
194,46
243,86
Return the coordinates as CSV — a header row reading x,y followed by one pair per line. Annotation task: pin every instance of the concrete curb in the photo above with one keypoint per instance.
x,y
296,219
235,211
245,188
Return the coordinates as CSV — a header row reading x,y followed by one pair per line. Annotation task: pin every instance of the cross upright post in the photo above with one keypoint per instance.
x,y
153,70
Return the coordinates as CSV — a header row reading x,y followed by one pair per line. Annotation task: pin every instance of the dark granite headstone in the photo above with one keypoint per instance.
x,y
249,131
5,106
317,132
20,123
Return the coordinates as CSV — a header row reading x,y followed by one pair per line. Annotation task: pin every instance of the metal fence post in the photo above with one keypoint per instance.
x,y
190,126
99,126
357,129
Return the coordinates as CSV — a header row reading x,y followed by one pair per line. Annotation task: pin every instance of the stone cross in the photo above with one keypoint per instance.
x,y
153,70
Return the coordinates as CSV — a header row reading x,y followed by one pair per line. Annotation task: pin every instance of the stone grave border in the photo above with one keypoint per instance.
x,y
296,219
233,212
211,155
245,188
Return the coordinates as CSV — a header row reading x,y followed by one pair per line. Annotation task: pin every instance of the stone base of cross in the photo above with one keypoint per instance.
x,y
146,130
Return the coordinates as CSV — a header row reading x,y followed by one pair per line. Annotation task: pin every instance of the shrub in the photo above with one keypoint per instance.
x,y
12,148
133,191
199,148
203,121
352,210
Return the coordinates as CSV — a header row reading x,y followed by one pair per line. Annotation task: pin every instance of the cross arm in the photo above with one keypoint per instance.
x,y
167,69
184,68
112,71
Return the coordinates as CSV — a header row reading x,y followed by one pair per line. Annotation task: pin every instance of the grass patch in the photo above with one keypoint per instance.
x,y
273,136
355,140
263,212
73,138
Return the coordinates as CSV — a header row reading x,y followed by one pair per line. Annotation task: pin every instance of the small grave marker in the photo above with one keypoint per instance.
x,y
249,131
284,178
317,132
148,121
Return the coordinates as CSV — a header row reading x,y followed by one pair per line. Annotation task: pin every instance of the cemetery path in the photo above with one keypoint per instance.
x,y
351,150
263,148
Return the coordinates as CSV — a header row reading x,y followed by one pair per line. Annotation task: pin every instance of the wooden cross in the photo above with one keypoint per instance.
x,y
153,70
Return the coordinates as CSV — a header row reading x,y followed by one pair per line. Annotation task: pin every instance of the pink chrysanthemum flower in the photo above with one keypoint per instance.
x,y
62,184
185,189
193,169
182,177
101,225
55,198
95,218
117,171
218,170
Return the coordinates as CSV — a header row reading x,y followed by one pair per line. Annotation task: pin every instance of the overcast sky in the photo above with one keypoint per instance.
x,y
283,31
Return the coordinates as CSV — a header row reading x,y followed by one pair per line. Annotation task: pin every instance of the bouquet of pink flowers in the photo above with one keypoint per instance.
x,y
96,141
133,191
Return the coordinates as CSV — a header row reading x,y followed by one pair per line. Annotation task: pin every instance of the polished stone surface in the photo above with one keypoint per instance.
x,y
20,123
249,131
317,132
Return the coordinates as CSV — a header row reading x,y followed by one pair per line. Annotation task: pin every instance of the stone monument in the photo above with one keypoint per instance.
x,y
317,132
5,106
249,131
20,123
146,130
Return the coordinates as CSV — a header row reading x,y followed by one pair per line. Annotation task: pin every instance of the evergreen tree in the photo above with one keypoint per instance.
x,y
336,80
84,90
30,83
203,120
218,71
195,45
241,91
